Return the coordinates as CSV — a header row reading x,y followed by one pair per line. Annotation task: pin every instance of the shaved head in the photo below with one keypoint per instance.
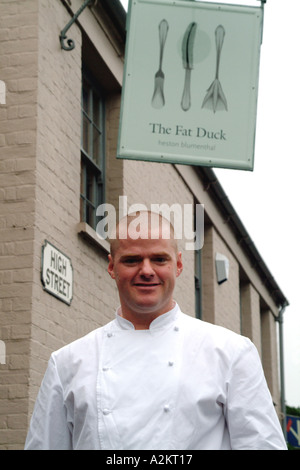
x,y
142,225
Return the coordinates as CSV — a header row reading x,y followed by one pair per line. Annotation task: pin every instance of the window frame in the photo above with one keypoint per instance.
x,y
92,172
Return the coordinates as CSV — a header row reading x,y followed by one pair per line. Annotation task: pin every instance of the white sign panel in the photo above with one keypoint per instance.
x,y
57,273
190,83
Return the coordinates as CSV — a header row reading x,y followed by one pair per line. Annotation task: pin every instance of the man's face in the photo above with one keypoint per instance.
x,y
145,271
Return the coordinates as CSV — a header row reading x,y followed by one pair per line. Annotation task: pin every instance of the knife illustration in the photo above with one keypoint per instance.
x,y
158,98
187,62
215,98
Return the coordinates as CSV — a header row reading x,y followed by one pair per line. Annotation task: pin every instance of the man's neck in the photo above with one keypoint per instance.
x,y
143,320
140,322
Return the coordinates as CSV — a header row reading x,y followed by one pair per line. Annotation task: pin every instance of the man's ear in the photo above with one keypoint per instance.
x,y
110,267
179,264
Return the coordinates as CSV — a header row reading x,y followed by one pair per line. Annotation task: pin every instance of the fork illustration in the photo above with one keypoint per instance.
x,y
158,98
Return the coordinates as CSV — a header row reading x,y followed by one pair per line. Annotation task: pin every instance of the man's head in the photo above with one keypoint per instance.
x,y
142,225
144,262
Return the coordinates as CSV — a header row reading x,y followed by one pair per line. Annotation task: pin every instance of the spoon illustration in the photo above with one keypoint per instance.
x,y
215,98
187,62
158,99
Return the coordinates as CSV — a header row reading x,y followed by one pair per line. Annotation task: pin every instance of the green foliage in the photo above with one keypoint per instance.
x,y
290,410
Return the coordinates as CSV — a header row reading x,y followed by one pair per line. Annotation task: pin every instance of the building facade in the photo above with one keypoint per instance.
x,y
59,123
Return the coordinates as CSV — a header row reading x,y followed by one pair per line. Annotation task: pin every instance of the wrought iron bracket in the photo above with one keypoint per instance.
x,y
63,37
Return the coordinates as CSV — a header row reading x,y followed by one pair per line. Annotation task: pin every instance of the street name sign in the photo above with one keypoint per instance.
x,y
57,273
190,83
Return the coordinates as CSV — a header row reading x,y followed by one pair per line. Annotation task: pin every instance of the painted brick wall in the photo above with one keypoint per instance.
x,y
18,124
269,354
250,309
227,294
220,302
114,167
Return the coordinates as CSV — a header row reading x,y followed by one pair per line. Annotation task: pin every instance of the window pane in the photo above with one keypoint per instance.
x,y
86,130
85,98
90,187
82,185
96,146
96,110
89,215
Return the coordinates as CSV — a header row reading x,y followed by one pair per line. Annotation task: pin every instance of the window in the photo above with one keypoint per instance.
x,y
92,150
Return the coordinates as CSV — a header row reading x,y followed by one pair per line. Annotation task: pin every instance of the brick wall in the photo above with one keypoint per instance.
x,y
220,301
250,311
269,354
208,276
114,167
18,124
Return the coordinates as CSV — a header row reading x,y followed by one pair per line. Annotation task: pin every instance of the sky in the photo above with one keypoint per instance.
x,y
266,199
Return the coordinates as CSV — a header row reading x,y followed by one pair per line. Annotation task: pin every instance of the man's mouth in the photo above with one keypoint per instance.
x,y
148,284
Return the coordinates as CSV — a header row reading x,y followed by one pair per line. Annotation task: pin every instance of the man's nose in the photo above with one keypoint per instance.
x,y
146,268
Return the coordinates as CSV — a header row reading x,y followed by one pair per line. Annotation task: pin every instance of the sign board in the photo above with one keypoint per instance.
x,y
190,83
293,430
57,273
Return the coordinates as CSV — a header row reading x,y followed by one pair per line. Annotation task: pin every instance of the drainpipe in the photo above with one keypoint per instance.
x,y
279,319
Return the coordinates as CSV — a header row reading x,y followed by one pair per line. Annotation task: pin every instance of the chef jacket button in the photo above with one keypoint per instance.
x,y
106,411
176,328
105,368
171,363
109,334
166,408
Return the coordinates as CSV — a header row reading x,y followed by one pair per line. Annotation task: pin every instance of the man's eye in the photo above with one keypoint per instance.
x,y
160,259
130,260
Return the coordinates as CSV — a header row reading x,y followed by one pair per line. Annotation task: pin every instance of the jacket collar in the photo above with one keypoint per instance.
x,y
164,320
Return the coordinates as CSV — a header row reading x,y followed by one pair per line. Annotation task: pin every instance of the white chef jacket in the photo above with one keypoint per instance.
x,y
182,384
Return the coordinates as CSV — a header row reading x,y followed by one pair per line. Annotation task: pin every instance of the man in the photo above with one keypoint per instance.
x,y
154,378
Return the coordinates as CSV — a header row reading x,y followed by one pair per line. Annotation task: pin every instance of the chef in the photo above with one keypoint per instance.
x,y
154,377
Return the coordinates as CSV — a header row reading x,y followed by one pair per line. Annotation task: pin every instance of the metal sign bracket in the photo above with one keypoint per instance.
x,y
63,37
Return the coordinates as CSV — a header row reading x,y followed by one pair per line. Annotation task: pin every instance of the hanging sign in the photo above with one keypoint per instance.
x,y
190,83
57,273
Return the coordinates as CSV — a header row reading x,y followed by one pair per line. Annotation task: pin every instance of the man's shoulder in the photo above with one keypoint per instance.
x,y
212,333
87,343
